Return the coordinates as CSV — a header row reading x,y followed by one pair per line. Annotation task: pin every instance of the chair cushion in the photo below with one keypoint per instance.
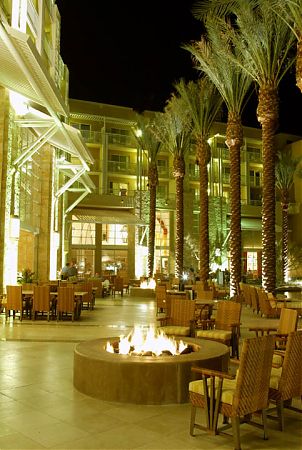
x,y
228,389
175,330
275,377
277,361
214,334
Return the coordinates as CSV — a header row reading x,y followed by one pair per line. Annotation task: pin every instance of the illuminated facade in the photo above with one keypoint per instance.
x,y
120,177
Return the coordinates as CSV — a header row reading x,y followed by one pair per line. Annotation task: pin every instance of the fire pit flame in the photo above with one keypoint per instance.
x,y
151,342
148,284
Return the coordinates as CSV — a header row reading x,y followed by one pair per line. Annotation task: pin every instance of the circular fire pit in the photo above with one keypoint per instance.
x,y
142,379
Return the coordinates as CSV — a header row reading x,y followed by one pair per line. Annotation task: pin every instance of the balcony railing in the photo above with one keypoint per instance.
x,y
121,139
122,167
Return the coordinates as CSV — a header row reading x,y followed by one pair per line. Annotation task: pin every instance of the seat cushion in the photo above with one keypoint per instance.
x,y
214,334
175,330
277,361
228,389
275,377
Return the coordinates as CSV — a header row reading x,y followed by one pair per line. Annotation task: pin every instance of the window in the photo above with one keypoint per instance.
x,y
255,178
162,167
114,234
81,126
162,190
120,189
83,233
119,163
254,153
251,261
162,228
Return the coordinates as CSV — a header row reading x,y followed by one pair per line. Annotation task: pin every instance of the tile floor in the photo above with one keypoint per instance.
x,y
40,408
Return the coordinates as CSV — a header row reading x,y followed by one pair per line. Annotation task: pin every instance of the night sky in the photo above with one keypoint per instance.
x,y
129,53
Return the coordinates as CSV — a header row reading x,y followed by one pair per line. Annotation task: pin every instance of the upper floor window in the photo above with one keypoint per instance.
x,y
81,126
162,166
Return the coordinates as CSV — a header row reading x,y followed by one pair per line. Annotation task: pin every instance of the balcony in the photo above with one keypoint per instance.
x,y
120,167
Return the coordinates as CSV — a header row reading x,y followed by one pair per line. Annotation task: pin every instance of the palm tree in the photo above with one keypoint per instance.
x,y
211,56
173,129
150,144
285,170
290,11
203,103
262,41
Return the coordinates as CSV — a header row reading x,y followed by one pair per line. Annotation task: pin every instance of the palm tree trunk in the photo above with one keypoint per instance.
x,y
299,64
234,141
268,115
179,173
203,158
284,240
153,181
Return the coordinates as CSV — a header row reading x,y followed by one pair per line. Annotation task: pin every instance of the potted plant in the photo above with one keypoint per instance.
x,y
27,276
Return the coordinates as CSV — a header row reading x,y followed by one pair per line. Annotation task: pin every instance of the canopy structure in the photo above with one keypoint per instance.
x,y
112,216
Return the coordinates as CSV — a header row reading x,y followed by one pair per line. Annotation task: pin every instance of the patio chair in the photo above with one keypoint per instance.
x,y
286,380
41,301
287,324
237,397
254,299
268,307
225,327
180,321
161,298
66,304
14,301
118,286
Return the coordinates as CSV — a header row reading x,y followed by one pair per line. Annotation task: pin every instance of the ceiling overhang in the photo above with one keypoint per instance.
x,y
23,71
107,216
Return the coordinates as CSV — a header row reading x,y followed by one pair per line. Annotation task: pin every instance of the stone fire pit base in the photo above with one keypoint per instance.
x,y
142,379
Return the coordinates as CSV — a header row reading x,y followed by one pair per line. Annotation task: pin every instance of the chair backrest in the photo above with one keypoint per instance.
x,y
41,298
246,293
288,321
182,311
118,283
14,297
228,313
65,301
254,298
252,386
264,303
161,296
202,294
290,384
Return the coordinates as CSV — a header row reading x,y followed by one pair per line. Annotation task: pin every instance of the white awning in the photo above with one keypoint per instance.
x,y
112,216
22,71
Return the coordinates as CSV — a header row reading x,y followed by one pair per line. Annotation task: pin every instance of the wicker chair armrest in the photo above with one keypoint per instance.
x,y
213,373
163,320
262,330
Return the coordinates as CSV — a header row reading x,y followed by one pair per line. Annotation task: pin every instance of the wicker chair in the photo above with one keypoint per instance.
x,y
66,303
254,299
14,301
118,286
41,301
235,398
286,381
287,324
180,321
225,328
268,308
203,294
161,298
